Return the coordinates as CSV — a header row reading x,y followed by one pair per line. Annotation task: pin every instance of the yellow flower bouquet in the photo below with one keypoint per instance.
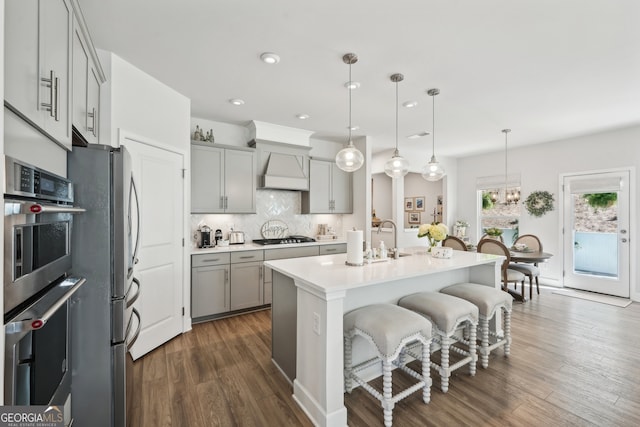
x,y
435,232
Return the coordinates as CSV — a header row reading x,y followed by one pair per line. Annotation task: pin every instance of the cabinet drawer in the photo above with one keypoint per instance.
x,y
338,248
248,256
270,254
209,259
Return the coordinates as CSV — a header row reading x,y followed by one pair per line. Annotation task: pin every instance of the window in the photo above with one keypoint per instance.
x,y
494,212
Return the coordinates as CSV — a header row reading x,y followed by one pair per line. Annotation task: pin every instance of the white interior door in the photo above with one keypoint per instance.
x,y
160,184
596,238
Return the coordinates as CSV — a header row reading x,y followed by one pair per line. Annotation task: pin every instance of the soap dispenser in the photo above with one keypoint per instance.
x,y
383,250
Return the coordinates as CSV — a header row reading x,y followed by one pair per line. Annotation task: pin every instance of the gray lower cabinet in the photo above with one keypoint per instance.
x,y
210,285
283,253
337,248
236,281
246,280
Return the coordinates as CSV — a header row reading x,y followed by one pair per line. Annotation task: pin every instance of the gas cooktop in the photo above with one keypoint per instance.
x,y
285,240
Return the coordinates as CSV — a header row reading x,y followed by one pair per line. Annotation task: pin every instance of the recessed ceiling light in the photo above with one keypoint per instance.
x,y
270,58
236,101
302,116
409,104
354,127
418,135
352,85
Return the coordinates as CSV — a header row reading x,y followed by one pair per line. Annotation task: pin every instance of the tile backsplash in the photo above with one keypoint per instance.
x,y
270,205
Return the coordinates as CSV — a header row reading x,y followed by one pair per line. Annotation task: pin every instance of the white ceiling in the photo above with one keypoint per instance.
x,y
547,69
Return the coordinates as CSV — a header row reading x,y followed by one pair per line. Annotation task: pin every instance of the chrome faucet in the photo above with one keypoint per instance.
x,y
396,252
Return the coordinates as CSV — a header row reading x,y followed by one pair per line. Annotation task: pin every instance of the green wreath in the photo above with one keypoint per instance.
x,y
539,203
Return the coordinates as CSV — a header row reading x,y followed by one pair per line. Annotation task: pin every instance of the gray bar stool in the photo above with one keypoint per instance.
x,y
447,314
390,329
489,301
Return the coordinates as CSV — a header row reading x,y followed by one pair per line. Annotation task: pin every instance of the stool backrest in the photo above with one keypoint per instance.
x,y
454,243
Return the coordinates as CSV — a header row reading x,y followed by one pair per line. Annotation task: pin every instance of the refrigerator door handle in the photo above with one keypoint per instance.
x,y
131,300
134,338
134,193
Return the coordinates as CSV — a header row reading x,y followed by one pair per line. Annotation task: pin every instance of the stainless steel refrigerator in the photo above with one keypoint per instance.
x,y
103,322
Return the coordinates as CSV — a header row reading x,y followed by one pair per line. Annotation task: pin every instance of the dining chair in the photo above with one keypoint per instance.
x,y
491,246
454,243
531,270
486,236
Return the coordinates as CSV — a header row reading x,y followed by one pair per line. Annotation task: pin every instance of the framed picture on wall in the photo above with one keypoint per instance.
x,y
418,203
414,217
408,203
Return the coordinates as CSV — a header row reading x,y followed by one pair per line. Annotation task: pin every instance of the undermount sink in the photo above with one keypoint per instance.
x,y
402,254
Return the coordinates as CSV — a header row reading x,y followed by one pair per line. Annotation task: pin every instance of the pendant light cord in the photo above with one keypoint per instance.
x,y
350,89
433,127
396,153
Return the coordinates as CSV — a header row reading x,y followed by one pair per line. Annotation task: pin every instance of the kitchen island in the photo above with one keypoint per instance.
x,y
311,295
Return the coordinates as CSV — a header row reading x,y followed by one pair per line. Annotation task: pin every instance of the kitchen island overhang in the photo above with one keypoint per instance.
x,y
311,295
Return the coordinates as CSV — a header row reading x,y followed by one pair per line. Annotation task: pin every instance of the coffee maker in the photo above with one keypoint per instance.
x,y
204,237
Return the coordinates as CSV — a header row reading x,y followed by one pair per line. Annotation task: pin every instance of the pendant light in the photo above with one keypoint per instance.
x,y
350,159
397,166
433,171
509,197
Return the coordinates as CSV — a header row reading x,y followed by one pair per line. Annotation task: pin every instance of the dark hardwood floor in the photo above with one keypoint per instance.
x,y
573,363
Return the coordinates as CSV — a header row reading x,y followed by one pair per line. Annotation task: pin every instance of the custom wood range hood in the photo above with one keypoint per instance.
x,y
283,154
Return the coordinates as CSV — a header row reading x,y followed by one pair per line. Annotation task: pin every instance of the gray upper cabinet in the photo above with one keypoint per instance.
x,y
222,179
87,78
38,64
330,189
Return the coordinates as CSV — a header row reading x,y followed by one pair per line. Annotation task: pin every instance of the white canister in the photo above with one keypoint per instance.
x,y
441,252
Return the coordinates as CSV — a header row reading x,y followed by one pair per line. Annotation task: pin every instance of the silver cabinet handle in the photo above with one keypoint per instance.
x,y
248,257
56,91
330,250
623,240
50,83
211,260
92,115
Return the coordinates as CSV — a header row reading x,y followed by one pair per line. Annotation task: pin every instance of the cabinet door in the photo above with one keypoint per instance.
x,y
341,190
80,74
207,179
55,61
240,181
22,81
93,106
267,280
319,186
246,285
210,290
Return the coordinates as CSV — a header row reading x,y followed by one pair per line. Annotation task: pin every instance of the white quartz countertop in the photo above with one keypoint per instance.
x,y
255,247
329,273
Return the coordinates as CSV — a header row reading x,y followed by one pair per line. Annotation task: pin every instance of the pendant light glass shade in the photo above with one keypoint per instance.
x,y
397,166
350,159
433,171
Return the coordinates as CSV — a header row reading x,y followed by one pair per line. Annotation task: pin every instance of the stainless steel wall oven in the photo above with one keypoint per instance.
x,y
38,218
